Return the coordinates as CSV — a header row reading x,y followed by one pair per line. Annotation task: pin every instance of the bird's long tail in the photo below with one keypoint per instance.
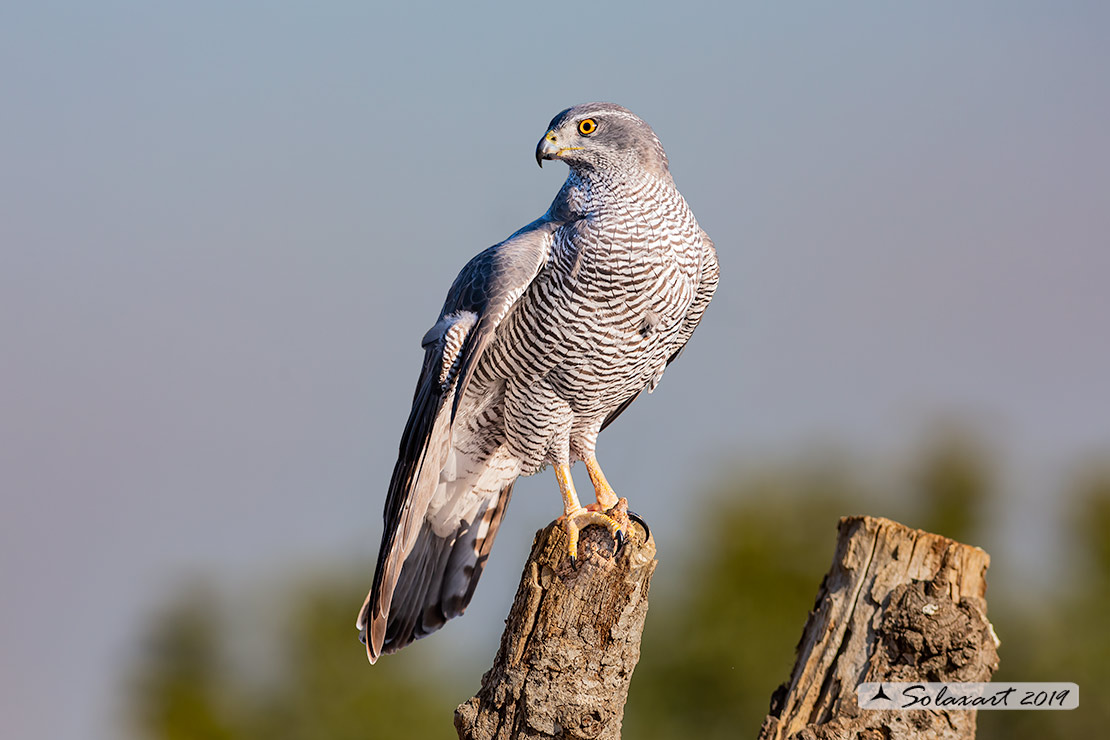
x,y
438,575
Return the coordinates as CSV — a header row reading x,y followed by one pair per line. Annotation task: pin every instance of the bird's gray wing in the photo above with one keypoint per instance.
x,y
483,293
498,278
708,278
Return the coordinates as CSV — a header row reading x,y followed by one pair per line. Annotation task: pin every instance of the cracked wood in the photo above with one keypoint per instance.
x,y
571,642
898,604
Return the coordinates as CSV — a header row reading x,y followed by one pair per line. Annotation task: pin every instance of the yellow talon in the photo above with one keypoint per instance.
x,y
579,520
613,515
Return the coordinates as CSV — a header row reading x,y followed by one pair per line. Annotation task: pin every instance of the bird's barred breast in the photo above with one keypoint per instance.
x,y
599,323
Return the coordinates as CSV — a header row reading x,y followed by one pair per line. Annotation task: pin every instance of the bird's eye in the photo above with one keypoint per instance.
x,y
587,126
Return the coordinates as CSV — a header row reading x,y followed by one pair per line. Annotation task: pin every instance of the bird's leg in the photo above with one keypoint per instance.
x,y
576,516
607,500
606,496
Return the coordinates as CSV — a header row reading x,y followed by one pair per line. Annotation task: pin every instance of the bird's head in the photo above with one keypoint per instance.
x,y
603,136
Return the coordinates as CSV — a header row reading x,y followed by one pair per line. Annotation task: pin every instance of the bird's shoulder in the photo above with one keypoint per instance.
x,y
485,291
497,273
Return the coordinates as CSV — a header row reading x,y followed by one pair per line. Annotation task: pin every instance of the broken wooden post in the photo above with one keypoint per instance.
x,y
571,642
898,604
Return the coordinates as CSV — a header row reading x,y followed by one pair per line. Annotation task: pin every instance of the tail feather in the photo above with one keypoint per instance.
x,y
407,614
469,555
435,581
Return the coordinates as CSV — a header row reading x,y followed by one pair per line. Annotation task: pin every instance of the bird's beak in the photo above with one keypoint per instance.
x,y
546,149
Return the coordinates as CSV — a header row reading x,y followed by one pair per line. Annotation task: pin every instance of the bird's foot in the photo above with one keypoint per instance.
x,y
618,512
615,519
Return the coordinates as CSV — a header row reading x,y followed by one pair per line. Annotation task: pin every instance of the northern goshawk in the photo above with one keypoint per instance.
x,y
543,341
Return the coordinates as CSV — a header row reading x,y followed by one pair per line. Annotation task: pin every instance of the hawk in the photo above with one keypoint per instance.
x,y
543,340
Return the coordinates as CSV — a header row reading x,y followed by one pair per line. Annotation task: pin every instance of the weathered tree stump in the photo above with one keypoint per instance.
x,y
898,604
571,642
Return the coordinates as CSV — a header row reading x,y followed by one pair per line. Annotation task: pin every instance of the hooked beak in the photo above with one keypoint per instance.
x,y
546,149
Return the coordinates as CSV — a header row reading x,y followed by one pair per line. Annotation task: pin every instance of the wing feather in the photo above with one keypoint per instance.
x,y
506,270
483,293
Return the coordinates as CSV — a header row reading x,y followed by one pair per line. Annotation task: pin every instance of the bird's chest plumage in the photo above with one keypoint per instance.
x,y
601,319
624,276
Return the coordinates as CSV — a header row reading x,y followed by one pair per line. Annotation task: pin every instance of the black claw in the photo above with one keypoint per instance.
x,y
620,538
574,562
640,520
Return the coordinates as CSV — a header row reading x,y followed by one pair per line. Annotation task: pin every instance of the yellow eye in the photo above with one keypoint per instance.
x,y
587,126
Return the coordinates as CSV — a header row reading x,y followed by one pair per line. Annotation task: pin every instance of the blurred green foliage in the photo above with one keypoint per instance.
x,y
720,638
711,657
1064,637
317,684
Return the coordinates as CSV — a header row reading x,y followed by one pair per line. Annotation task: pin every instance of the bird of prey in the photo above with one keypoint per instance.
x,y
543,340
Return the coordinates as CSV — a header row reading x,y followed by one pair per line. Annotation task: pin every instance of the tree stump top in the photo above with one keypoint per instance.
x,y
898,604
571,642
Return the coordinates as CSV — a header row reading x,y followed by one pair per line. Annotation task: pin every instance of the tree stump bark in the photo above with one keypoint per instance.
x,y
571,642
898,604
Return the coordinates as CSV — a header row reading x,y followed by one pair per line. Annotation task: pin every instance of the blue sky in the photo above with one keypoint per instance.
x,y
224,229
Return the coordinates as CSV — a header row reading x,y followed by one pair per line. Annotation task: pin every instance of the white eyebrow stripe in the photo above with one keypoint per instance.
x,y
605,113
614,114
